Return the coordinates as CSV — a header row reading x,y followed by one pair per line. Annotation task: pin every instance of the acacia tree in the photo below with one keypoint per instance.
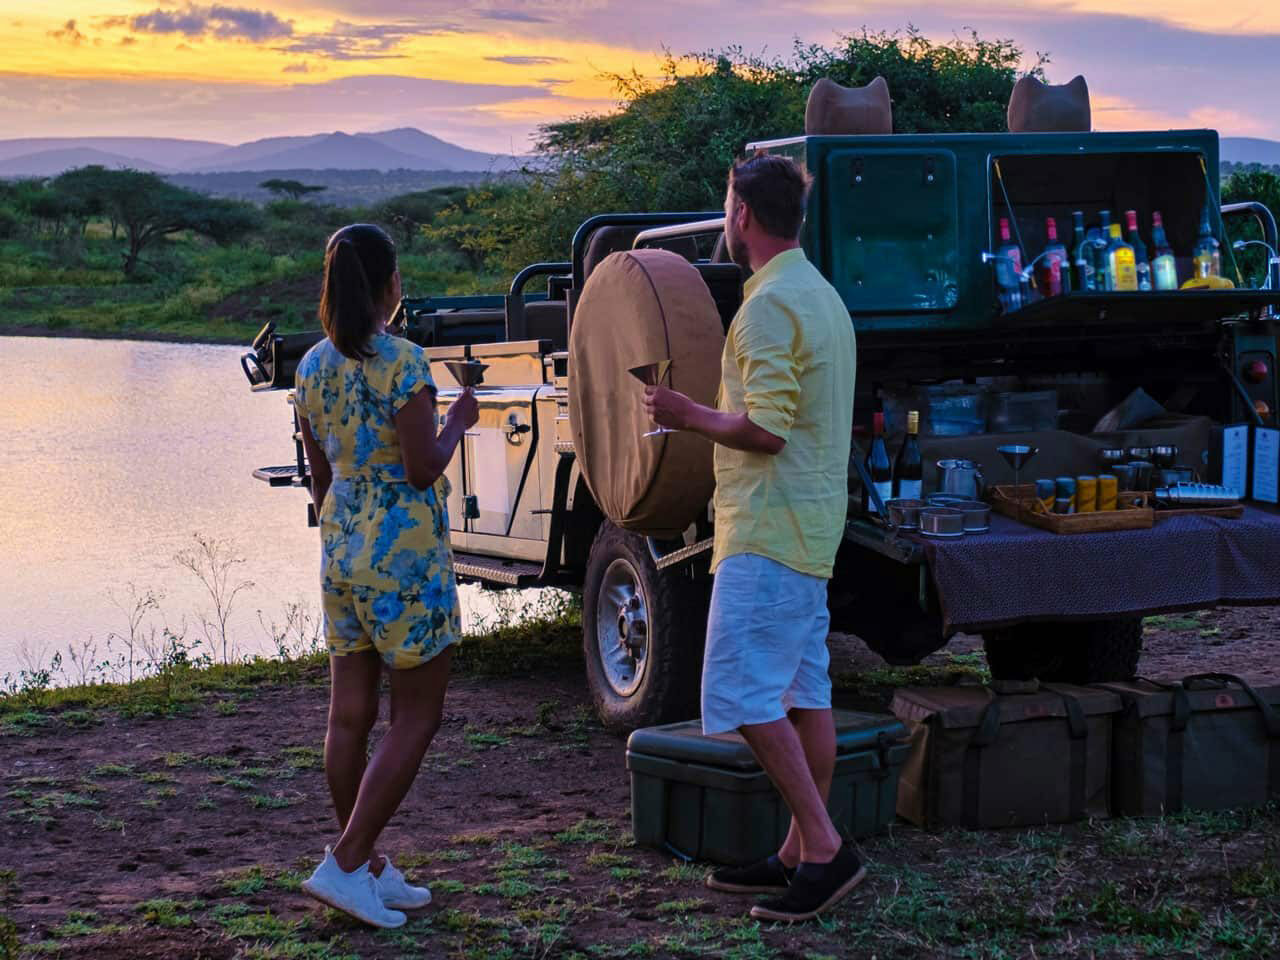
x,y
294,189
148,208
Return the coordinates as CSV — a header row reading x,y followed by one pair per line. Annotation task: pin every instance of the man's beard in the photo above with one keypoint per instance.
x,y
738,252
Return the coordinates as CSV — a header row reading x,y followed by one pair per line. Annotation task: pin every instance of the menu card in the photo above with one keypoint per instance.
x,y
1235,458
1266,464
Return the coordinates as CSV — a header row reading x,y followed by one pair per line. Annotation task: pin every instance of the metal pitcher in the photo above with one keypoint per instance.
x,y
963,477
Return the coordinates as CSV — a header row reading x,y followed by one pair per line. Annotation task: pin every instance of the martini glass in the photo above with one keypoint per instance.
x,y
1017,455
652,374
468,373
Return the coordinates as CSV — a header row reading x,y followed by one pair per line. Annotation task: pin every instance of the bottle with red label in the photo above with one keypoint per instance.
x,y
1008,263
1053,271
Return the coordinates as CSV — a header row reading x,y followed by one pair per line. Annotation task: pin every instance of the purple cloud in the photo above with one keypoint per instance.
x,y
527,61
217,21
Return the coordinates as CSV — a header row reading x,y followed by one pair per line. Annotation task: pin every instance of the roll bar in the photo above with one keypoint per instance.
x,y
1266,219
592,224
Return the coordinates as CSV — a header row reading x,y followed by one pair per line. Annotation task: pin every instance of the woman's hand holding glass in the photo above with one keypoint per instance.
x,y
466,408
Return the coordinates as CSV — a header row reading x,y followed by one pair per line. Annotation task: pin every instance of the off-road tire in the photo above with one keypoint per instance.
x,y
675,606
1092,651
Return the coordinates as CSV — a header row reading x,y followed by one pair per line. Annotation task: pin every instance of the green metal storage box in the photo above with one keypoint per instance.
x,y
706,798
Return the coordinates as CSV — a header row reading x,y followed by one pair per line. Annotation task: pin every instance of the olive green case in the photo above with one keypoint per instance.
x,y
1209,742
706,798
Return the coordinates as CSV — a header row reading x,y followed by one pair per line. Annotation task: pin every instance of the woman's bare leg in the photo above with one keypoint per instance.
x,y
353,710
417,705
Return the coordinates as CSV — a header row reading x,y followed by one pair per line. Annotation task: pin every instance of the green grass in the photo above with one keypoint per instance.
x,y
167,913
586,831
270,802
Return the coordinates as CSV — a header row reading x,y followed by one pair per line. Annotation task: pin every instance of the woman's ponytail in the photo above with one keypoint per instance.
x,y
358,266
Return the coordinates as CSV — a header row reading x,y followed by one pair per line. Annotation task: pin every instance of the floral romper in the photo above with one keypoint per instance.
x,y
387,570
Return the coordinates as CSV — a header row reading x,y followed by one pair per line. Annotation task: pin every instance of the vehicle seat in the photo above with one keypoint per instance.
x,y
604,241
548,320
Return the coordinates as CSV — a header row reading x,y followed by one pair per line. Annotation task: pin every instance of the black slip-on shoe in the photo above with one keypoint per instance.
x,y
814,888
769,875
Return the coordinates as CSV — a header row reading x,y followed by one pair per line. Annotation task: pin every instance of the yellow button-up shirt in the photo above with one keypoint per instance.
x,y
789,363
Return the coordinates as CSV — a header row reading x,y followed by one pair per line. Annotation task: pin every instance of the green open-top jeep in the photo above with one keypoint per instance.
x,y
899,225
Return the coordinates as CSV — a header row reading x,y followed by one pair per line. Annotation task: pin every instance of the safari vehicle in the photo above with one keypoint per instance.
x,y
899,224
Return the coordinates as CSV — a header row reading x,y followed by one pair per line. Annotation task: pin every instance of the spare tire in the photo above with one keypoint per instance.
x,y
640,306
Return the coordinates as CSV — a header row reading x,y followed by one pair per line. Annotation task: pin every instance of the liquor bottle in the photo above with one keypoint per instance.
x,y
879,468
1008,267
908,469
1164,268
1206,258
1082,278
1053,270
1122,274
1097,243
1140,263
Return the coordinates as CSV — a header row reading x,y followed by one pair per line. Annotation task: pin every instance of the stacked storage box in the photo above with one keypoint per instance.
x,y
706,797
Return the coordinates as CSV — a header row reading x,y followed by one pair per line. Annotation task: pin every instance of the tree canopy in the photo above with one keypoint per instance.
x,y
149,207
293,189
669,144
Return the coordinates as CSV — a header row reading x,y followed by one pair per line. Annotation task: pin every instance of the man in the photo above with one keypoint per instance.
x,y
781,429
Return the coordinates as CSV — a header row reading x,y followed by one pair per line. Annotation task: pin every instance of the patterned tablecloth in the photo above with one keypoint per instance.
x,y
1016,573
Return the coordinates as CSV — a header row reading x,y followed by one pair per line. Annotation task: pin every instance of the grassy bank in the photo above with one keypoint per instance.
x,y
190,288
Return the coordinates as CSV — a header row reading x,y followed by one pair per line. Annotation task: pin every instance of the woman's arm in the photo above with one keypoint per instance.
x,y
424,453
321,471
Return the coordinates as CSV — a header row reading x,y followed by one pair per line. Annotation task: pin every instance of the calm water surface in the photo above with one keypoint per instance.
x,y
112,455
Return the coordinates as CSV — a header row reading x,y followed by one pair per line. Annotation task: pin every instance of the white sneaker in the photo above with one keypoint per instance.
x,y
397,892
355,893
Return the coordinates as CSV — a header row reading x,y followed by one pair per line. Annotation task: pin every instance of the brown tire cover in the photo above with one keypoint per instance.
x,y
639,306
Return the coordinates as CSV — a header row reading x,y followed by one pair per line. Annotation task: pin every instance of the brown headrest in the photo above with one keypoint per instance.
x,y
604,241
833,109
1036,107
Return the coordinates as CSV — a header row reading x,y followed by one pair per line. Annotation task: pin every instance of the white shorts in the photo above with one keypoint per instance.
x,y
766,644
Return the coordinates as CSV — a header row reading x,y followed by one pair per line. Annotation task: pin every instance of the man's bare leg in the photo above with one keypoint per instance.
x,y
778,747
817,732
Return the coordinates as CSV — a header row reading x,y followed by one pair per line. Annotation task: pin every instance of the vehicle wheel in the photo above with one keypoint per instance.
x,y
643,634
1093,651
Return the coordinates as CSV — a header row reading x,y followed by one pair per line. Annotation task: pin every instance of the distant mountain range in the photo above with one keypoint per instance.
x,y
402,149
1249,150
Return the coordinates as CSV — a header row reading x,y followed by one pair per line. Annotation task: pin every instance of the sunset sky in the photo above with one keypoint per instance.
x,y
485,74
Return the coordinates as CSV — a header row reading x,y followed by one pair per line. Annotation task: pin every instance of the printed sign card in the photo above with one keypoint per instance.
x,y
1266,465
1235,458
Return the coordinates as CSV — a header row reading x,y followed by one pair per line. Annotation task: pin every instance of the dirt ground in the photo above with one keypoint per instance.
x,y
188,836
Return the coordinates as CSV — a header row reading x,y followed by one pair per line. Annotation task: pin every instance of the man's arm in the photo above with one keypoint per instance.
x,y
668,408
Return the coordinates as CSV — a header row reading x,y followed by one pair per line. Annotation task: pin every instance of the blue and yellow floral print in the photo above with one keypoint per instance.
x,y
387,571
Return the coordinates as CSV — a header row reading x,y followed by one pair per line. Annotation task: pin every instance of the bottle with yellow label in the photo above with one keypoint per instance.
x,y
1206,258
1122,272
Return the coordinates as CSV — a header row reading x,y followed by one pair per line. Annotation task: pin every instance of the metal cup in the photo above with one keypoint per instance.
x,y
1124,474
1108,457
1139,453
1164,456
962,477
1141,474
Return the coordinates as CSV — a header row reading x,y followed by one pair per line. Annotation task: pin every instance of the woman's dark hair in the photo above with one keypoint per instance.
x,y
775,188
359,262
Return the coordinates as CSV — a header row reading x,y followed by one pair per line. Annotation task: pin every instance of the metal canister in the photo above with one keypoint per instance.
x,y
1064,488
1108,492
1044,494
1086,494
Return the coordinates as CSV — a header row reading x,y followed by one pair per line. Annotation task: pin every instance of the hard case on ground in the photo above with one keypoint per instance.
x,y
707,798
1209,742
981,760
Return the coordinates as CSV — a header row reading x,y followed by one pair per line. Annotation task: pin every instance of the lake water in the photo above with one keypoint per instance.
x,y
113,454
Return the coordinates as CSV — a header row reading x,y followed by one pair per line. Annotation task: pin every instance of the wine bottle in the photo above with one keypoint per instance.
x,y
908,468
879,467
1082,278
1122,274
1206,257
1053,271
1164,267
1008,267
1140,263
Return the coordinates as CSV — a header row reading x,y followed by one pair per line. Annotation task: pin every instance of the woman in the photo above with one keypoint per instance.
x,y
367,407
